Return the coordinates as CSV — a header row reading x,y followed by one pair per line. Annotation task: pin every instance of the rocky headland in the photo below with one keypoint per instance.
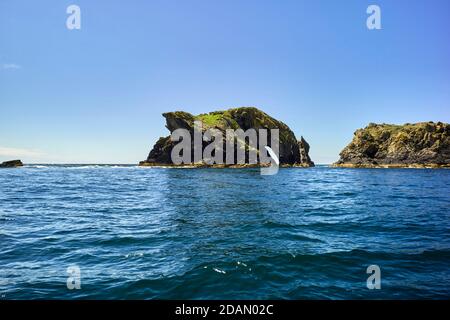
x,y
419,145
292,152
11,164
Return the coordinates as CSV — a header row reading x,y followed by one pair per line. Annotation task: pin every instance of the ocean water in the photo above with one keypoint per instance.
x,y
153,233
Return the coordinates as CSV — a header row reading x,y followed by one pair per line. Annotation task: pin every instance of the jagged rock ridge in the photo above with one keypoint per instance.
x,y
291,152
424,144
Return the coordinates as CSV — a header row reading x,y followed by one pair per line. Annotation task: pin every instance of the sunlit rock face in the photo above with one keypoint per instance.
x,y
291,151
424,144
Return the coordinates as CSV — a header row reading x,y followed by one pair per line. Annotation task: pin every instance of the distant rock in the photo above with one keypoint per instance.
x,y
424,144
11,164
304,153
291,153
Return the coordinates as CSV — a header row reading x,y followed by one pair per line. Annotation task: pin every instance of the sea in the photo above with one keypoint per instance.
x,y
129,232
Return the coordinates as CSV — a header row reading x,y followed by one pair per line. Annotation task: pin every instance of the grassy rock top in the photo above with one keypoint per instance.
x,y
236,118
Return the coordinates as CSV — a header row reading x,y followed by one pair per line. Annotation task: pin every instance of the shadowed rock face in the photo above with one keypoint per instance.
x,y
424,144
11,164
292,152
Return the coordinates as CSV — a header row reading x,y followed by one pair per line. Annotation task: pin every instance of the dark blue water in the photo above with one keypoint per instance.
x,y
148,233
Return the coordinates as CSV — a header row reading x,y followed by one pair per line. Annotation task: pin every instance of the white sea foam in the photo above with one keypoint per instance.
x,y
219,271
134,254
241,264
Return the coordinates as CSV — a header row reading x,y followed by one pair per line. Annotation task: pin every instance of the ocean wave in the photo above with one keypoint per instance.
x,y
30,166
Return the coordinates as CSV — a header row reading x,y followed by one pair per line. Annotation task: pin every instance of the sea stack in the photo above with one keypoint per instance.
x,y
418,145
11,164
292,152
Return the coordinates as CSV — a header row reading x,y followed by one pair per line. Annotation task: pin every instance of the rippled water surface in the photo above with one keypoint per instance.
x,y
143,233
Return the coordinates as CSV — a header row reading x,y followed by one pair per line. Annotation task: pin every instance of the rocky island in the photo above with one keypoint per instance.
x,y
419,145
292,152
11,164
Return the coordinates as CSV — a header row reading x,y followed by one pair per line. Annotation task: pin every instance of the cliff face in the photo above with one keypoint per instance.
x,y
424,144
291,151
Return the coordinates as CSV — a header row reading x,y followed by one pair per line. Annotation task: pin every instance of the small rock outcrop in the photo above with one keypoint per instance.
x,y
291,151
424,144
303,147
11,164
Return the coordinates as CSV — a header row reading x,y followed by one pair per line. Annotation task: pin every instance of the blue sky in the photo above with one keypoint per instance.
x,y
96,95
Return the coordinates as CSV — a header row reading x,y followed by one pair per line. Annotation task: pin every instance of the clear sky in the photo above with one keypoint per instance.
x,y
96,95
